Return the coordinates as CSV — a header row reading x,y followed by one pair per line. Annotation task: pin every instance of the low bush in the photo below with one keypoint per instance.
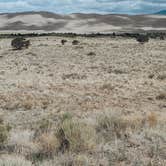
x,y
142,39
161,96
162,38
91,54
48,144
75,42
63,41
161,77
19,43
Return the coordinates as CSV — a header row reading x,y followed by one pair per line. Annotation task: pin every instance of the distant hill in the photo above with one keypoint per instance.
x,y
79,23
162,12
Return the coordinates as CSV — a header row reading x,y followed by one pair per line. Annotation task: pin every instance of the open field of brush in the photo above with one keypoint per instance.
x,y
98,102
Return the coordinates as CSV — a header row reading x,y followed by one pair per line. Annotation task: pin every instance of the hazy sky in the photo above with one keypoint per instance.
x,y
84,6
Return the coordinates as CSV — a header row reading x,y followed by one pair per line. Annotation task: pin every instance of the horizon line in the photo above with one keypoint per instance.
x,y
38,11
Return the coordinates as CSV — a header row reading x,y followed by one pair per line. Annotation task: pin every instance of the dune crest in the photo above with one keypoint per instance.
x,y
79,23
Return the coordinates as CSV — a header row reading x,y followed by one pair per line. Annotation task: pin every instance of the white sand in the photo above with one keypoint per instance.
x,y
78,24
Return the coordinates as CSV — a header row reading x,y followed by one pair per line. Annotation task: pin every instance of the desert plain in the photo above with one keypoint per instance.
x,y
101,102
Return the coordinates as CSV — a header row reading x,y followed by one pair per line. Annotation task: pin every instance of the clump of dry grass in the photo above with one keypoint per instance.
x,y
161,96
76,136
151,76
143,134
115,124
21,142
75,42
48,144
4,132
73,159
81,160
31,53
155,146
152,119
43,125
161,77
107,86
44,140
14,161
73,76
70,136
26,101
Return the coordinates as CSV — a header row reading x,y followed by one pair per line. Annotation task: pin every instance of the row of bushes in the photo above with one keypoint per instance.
x,y
155,35
20,42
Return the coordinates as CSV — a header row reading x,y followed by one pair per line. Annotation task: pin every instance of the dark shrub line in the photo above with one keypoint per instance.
x,y
154,35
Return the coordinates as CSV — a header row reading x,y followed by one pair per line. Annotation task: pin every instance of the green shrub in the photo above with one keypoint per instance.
x,y
19,43
162,38
4,132
66,116
75,42
63,41
142,38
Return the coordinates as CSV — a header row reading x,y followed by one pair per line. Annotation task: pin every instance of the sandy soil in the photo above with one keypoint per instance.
x,y
98,74
79,23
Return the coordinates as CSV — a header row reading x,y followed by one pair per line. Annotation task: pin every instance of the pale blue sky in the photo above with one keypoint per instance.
x,y
84,6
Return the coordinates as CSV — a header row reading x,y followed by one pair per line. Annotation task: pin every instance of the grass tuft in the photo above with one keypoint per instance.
x,y
76,136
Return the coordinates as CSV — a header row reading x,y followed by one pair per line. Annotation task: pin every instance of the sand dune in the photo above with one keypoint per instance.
x,y
79,23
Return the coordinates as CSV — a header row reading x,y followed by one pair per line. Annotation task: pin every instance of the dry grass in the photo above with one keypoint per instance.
x,y
21,100
21,142
114,123
161,96
161,77
14,161
4,132
48,144
74,76
152,119
55,98
78,136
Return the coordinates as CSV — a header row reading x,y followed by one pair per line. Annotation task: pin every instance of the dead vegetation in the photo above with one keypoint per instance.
x,y
4,132
99,103
78,142
74,76
161,77
23,101
161,96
